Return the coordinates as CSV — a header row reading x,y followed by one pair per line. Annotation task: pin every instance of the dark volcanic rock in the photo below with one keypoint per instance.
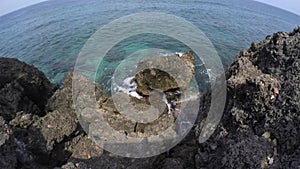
x,y
23,120
8,156
261,123
51,140
22,88
260,127
82,147
56,126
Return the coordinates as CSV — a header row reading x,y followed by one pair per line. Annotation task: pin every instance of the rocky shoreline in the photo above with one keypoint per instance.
x,y
260,127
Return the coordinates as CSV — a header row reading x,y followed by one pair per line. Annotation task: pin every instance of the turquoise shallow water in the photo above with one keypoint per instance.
x,y
50,35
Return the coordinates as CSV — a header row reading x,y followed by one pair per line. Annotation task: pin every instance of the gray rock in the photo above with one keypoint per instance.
x,y
8,156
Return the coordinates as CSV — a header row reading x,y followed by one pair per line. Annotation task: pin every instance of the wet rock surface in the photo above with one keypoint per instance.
x,y
165,73
260,127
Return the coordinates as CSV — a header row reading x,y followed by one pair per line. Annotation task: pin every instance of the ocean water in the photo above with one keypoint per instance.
x,y
50,35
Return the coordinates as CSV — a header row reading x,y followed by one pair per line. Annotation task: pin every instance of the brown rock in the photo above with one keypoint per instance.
x,y
165,73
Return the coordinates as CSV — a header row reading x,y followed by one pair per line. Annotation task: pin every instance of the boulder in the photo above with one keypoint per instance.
x,y
165,73
22,88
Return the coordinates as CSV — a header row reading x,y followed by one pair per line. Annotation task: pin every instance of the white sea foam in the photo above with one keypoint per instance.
x,y
179,54
170,54
168,104
211,75
129,81
135,94
189,98
129,87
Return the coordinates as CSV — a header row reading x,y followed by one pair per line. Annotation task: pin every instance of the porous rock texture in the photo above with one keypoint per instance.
x,y
22,88
260,127
165,73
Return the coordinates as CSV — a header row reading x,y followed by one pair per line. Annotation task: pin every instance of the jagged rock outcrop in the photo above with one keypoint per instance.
x,y
22,88
260,127
50,140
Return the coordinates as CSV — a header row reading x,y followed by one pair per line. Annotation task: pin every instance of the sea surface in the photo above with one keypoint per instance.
x,y
51,34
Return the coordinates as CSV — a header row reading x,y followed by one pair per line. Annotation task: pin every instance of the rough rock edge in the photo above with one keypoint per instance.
x,y
274,140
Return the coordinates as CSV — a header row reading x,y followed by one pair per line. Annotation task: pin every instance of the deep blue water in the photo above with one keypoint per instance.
x,y
50,35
